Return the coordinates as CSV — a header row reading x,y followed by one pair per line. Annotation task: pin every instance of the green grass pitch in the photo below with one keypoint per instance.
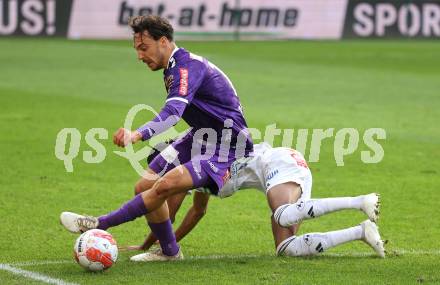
x,y
47,85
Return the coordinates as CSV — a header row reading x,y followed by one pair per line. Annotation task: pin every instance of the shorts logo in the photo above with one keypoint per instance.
x,y
300,161
183,88
272,174
196,170
213,167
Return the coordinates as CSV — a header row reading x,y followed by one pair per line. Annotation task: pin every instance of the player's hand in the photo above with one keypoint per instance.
x,y
123,137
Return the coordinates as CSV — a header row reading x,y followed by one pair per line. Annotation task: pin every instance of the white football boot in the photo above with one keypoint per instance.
x,y
78,223
370,206
156,255
371,237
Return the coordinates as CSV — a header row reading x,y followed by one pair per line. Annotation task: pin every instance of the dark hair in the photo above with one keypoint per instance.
x,y
156,26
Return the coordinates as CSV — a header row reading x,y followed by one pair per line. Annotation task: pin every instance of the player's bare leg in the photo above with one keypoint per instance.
x,y
143,184
280,234
286,193
314,243
178,180
194,214
146,182
174,203
192,217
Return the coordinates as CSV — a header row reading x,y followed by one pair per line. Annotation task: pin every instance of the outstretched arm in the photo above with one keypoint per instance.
x,y
168,117
186,80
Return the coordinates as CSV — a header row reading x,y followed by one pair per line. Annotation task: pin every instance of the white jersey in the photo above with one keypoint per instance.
x,y
266,168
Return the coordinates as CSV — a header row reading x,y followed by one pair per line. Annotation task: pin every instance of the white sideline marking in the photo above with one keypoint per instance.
x,y
199,257
415,252
207,257
34,275
346,254
40,262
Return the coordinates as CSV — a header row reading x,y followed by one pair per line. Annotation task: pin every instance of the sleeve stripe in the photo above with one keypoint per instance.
x,y
178,99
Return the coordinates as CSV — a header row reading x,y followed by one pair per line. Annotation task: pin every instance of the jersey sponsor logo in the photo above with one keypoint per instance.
x,y
272,174
370,18
183,88
168,82
300,161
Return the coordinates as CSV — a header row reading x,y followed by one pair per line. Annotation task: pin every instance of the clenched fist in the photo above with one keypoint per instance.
x,y
123,137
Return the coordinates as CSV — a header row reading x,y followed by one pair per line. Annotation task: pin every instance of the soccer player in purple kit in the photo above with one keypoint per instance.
x,y
204,97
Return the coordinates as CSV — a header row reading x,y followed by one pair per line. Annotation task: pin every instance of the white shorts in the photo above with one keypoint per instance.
x,y
284,166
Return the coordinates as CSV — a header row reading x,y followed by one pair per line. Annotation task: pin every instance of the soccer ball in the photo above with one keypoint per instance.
x,y
95,250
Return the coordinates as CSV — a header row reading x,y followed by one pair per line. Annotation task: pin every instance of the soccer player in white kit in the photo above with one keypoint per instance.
x,y
283,175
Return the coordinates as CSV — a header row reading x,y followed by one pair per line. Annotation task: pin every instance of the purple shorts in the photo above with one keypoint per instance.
x,y
205,171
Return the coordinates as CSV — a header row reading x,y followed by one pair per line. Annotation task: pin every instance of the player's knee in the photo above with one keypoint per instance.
x,y
290,214
144,184
164,186
138,189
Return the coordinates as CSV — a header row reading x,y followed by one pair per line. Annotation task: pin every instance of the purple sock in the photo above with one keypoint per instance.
x,y
128,212
165,235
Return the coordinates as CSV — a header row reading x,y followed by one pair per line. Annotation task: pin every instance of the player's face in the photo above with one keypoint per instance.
x,y
150,51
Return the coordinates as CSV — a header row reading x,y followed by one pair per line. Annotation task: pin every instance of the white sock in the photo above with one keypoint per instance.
x,y
314,243
336,238
307,209
327,205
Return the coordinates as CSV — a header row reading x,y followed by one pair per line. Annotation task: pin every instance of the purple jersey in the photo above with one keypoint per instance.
x,y
202,95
